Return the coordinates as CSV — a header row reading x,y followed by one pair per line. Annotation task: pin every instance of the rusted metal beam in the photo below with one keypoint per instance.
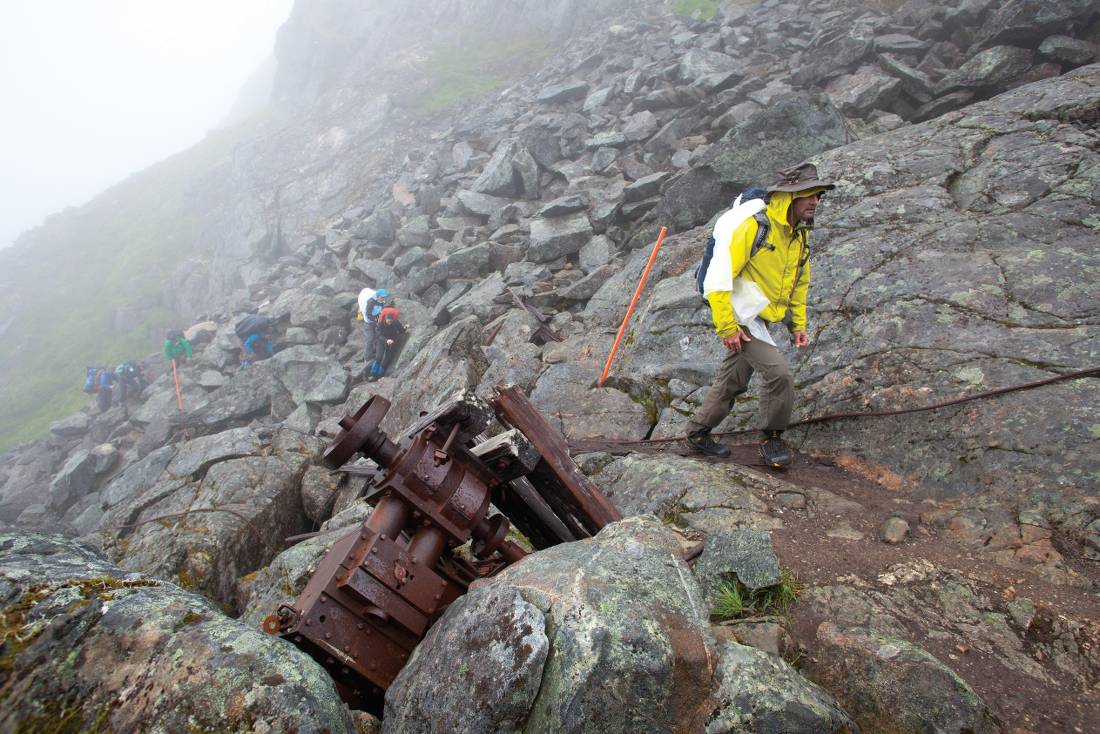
x,y
559,475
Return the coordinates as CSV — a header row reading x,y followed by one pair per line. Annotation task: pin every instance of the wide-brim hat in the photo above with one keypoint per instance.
x,y
799,178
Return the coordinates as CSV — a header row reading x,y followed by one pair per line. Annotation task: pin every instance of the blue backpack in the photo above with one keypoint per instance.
x,y
762,229
91,380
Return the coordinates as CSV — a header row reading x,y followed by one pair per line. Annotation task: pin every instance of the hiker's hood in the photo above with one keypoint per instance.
x,y
780,203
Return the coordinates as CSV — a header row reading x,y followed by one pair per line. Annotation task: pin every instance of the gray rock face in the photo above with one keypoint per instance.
x,y
1027,20
138,477
88,631
1067,50
502,642
566,395
759,692
605,635
790,130
450,362
708,497
990,68
865,90
75,479
75,426
978,222
193,458
216,530
564,92
553,238
500,177
741,555
887,684
318,493
310,375
710,70
247,395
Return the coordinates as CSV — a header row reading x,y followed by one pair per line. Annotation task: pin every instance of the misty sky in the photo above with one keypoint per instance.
x,y
93,90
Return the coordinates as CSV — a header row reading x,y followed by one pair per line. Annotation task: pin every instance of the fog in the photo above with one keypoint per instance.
x,y
93,90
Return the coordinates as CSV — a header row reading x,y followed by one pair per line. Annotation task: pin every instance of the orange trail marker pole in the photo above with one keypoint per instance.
x,y
176,377
633,303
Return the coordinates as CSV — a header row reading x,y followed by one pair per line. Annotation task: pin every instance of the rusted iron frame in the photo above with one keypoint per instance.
x,y
562,479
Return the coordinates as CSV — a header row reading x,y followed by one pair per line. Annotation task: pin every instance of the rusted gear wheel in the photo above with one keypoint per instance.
x,y
360,432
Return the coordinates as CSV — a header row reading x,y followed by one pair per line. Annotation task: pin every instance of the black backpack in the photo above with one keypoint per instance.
x,y
251,324
763,226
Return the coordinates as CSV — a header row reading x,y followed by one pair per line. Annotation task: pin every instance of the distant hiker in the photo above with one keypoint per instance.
x,y
129,379
371,302
389,331
97,381
176,347
252,330
749,289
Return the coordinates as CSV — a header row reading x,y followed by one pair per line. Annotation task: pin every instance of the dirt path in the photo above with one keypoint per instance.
x,y
1023,703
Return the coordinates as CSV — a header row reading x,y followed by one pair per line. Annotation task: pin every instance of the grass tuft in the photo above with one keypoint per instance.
x,y
736,601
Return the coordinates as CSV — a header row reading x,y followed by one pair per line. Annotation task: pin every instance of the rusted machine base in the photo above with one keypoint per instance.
x,y
380,588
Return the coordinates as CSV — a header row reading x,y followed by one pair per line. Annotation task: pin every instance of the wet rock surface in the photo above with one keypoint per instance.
x,y
80,631
955,256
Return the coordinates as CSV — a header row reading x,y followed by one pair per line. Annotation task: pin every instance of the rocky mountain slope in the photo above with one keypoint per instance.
x,y
957,254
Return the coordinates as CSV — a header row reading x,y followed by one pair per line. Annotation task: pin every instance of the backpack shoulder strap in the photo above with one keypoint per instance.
x,y
763,226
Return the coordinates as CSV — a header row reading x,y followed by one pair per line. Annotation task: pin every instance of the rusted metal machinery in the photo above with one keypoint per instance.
x,y
380,588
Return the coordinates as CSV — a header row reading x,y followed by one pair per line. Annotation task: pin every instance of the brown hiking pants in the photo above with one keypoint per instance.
x,y
732,378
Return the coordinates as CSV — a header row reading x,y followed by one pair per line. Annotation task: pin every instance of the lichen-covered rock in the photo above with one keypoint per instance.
x,y
319,488
206,534
193,458
759,692
500,640
701,494
741,555
981,222
628,646
450,362
247,395
889,685
567,396
88,647
75,479
310,375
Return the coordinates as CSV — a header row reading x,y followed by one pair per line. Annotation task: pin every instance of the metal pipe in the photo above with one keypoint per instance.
x,y
427,545
389,517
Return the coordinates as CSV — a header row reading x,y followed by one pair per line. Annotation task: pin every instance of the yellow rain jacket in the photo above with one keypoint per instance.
x,y
773,268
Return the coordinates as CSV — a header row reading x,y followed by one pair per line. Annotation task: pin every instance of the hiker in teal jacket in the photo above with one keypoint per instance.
x,y
177,347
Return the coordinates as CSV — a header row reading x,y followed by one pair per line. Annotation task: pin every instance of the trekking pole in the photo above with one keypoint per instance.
x,y
633,303
176,377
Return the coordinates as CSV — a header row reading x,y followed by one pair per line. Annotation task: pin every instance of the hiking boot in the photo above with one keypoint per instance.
x,y
702,441
775,451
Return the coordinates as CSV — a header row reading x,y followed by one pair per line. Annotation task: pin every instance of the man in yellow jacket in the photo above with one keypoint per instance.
x,y
753,291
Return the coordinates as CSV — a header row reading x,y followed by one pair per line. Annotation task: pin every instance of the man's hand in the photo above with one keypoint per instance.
x,y
389,342
733,341
801,339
